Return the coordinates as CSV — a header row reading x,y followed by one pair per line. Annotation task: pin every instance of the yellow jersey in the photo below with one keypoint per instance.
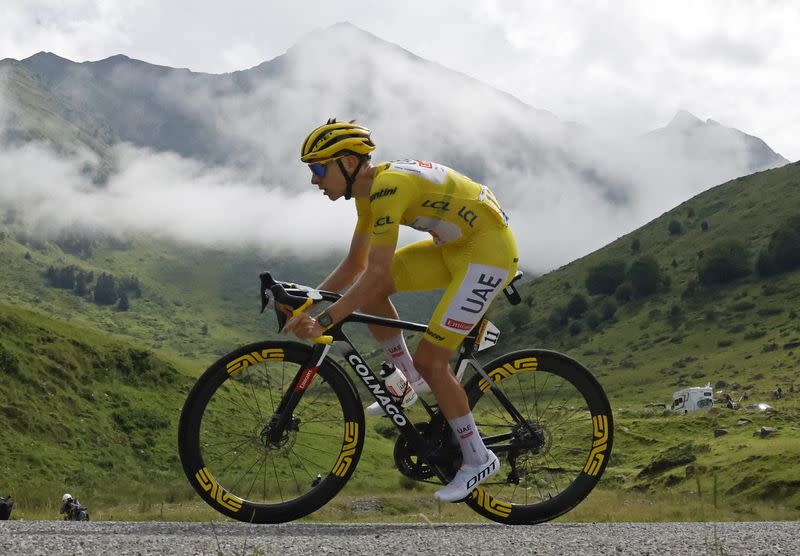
x,y
429,197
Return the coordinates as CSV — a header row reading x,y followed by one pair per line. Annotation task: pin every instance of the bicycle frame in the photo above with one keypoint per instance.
x,y
302,379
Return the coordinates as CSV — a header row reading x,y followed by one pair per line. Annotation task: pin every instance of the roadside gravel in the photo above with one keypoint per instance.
x,y
145,538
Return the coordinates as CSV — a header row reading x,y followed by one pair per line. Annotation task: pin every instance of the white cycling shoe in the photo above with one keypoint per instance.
x,y
467,478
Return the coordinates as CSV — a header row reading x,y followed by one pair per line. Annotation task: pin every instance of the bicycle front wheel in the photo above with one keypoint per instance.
x,y
228,454
554,450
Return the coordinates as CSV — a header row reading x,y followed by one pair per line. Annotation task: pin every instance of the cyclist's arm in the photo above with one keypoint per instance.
x,y
356,260
387,205
351,267
376,281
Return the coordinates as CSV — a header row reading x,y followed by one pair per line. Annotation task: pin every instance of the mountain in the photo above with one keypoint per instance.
x,y
710,142
254,119
32,111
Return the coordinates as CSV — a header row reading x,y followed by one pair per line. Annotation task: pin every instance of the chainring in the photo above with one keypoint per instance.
x,y
411,465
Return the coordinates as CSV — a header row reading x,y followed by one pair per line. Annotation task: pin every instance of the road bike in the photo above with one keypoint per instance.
x,y
272,431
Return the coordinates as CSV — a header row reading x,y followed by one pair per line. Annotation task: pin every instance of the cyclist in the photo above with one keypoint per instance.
x,y
72,508
472,255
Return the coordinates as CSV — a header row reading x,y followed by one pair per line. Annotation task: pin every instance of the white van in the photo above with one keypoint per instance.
x,y
693,399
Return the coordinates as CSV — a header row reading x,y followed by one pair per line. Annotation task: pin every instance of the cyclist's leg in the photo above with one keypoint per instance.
x,y
415,267
479,269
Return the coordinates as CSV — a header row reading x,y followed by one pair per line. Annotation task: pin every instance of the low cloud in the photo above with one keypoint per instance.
x,y
568,191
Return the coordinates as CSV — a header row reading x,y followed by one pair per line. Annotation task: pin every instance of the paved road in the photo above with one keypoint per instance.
x,y
656,539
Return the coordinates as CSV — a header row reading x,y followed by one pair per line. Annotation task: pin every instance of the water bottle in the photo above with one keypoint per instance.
x,y
397,385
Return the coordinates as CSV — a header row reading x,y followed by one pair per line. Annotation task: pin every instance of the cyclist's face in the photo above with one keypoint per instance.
x,y
332,182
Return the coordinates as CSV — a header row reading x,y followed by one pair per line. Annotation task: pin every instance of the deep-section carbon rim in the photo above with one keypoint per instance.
x,y
552,461
224,435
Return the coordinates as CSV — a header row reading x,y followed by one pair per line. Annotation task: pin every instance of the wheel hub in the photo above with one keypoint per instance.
x,y
287,438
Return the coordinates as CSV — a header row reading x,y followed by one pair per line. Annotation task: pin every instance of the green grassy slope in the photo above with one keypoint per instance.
x,y
83,412
742,337
35,113
745,333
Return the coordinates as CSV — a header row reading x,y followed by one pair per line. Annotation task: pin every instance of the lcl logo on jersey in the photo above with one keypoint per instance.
x,y
383,221
437,205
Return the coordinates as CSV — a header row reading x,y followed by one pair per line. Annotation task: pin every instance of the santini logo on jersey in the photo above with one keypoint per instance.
x,y
385,192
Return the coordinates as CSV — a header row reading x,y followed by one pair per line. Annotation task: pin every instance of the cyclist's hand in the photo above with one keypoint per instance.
x,y
304,327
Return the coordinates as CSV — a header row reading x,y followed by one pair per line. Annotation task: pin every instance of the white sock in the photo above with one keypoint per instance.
x,y
397,353
472,446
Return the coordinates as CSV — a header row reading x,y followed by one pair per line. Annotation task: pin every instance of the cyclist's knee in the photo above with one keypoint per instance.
x,y
431,361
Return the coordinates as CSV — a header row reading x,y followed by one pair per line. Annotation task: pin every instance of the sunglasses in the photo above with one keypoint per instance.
x,y
318,168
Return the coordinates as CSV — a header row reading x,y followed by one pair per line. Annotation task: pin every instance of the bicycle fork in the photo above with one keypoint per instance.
x,y
283,417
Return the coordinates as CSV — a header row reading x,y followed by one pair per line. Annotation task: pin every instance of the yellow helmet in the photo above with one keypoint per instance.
x,y
335,139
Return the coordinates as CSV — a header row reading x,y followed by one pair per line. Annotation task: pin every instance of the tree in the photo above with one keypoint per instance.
x,y
645,276
675,228
783,252
607,309
123,304
80,284
636,245
724,262
577,306
605,277
704,226
623,293
105,292
593,319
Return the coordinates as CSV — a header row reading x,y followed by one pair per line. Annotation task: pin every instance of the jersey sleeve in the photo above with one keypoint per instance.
x,y
388,200
364,222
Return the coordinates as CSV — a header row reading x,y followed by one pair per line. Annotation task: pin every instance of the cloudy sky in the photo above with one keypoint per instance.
x,y
624,64
622,68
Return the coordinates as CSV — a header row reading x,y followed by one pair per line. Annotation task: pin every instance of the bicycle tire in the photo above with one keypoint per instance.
x,y
576,436
220,434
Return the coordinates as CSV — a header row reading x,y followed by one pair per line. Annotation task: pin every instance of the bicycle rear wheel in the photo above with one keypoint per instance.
x,y
550,462
227,455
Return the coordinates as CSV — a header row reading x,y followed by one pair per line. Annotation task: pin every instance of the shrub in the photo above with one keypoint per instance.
x,y
577,306
783,252
675,228
645,276
557,318
623,293
605,277
675,317
724,262
123,304
704,226
105,292
607,309
575,328
9,364
593,320
636,245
